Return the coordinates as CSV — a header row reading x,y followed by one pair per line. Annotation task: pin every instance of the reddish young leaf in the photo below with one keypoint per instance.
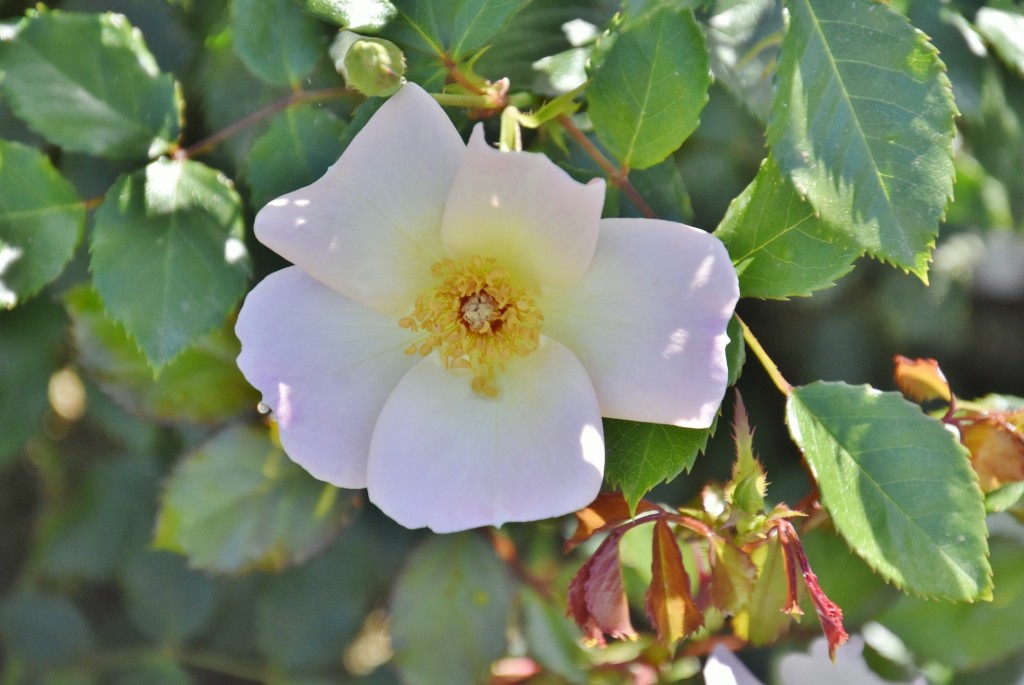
x,y
921,379
996,444
609,509
597,601
732,577
829,613
668,603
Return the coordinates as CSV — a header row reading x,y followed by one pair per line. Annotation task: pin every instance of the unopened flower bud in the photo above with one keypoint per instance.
x,y
372,66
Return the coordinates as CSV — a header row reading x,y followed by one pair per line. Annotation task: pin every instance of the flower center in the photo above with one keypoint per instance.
x,y
476,319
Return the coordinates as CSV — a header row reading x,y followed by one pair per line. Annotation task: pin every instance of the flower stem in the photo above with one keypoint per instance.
x,y
298,97
617,177
773,371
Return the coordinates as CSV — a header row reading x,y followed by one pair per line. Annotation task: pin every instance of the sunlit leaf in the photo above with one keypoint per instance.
x,y
454,28
668,602
41,221
863,125
743,42
117,103
780,247
646,97
276,40
921,379
238,502
609,509
996,443
638,456
1003,27
597,600
749,484
733,575
449,611
361,16
168,257
898,486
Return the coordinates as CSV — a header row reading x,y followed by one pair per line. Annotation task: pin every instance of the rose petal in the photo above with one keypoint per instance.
x,y
724,668
325,365
648,321
370,227
521,208
449,458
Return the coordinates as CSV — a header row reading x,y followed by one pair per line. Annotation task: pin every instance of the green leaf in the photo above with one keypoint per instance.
x,y
110,517
967,635
863,125
648,93
306,616
552,638
116,103
455,28
295,151
449,611
165,599
763,618
168,257
238,502
780,248
899,487
155,670
30,339
663,188
277,42
44,630
743,43
1003,28
361,16
41,221
202,384
638,456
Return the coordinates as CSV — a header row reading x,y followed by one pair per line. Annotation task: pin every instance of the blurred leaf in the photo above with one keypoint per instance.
x,y
743,42
1003,28
996,443
110,517
168,256
277,42
781,249
41,221
295,151
202,384
898,487
455,28
449,611
165,599
961,49
1005,497
967,635
306,615
238,502
114,104
668,603
663,188
30,337
361,16
647,95
763,618
157,670
638,456
43,630
551,638
863,125
921,379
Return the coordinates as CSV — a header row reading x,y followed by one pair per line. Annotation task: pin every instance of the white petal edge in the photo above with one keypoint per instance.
x,y
450,459
520,208
724,668
648,321
325,365
370,227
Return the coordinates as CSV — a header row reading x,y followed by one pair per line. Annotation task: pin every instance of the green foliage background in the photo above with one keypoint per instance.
x,y
151,530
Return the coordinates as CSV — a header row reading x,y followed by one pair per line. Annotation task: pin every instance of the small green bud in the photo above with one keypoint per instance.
x,y
373,66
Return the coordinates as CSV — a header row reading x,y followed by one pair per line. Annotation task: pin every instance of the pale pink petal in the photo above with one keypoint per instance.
x,y
325,365
370,227
724,668
521,208
448,458
648,321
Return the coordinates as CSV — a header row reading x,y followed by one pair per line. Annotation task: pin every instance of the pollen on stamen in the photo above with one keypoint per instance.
x,y
477,319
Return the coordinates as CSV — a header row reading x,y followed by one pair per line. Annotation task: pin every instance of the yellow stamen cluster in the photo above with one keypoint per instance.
x,y
476,319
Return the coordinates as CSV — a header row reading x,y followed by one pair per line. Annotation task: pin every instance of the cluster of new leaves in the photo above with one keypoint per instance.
x,y
744,559
139,137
